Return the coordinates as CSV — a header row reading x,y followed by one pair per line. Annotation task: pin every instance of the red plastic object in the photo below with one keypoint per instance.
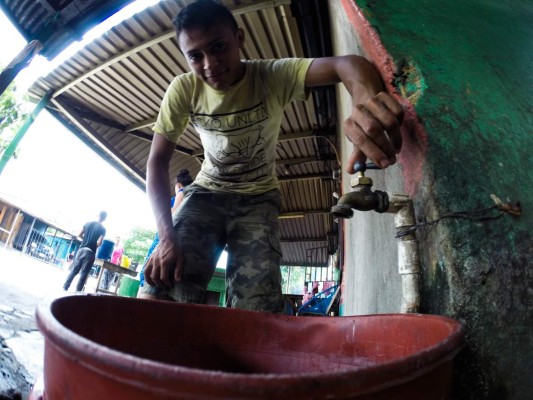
x,y
102,347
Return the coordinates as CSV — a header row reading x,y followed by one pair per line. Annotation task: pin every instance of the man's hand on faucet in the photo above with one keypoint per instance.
x,y
374,129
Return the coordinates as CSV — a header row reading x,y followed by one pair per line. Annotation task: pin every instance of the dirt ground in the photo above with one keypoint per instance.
x,y
24,282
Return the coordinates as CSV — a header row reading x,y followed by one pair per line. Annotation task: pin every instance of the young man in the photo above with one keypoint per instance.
x,y
92,235
237,106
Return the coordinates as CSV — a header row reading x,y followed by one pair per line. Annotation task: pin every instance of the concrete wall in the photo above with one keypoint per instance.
x,y
371,283
463,70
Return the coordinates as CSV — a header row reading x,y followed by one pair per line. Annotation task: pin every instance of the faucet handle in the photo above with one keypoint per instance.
x,y
362,167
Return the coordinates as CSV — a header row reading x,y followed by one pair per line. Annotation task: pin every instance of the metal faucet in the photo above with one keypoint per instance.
x,y
362,197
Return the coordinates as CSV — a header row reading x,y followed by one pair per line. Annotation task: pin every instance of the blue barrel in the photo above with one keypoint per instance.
x,y
105,251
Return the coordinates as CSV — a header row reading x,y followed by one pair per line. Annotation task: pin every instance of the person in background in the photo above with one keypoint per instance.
x,y
237,108
116,258
118,252
183,179
92,235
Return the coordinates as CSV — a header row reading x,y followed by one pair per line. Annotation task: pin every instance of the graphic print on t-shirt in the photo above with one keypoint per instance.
x,y
229,151
234,142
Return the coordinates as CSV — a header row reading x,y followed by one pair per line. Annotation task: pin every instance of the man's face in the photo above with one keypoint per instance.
x,y
213,55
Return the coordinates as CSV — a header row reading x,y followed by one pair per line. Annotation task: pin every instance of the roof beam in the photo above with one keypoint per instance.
x,y
304,177
305,135
145,136
132,130
289,136
258,5
168,34
289,162
139,125
71,114
302,240
296,135
121,56
301,214
92,116
303,160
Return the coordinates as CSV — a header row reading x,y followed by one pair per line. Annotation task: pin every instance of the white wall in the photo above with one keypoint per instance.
x,y
371,280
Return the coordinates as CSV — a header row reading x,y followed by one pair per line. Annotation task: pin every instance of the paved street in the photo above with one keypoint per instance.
x,y
24,282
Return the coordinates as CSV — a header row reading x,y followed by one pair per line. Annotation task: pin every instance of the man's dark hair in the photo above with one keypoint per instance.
x,y
184,177
103,215
204,14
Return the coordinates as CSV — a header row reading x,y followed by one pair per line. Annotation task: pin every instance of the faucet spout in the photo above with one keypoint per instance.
x,y
362,198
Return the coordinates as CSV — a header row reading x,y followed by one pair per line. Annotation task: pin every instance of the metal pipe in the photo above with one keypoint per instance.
x,y
363,199
408,255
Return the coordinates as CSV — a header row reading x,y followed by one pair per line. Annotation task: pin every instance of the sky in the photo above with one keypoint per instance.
x,y
61,178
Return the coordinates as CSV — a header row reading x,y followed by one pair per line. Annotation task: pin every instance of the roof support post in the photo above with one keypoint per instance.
x,y
6,156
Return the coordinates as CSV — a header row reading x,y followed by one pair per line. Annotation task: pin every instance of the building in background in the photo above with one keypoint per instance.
x,y
27,232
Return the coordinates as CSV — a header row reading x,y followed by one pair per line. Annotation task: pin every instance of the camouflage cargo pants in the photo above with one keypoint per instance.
x,y
205,223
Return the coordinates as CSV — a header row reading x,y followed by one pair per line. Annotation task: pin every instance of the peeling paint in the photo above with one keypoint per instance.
x,y
410,81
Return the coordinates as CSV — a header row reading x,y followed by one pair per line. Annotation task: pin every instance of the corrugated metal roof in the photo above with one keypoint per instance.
x,y
109,95
58,23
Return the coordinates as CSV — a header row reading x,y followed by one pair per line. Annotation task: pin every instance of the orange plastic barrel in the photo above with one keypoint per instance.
x,y
103,347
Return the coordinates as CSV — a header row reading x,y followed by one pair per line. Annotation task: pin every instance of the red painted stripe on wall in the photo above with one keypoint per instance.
x,y
415,141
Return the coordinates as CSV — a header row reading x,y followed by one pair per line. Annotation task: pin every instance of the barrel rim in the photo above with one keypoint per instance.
x,y
134,370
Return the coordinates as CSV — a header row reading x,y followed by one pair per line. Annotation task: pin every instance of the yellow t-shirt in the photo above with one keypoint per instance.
x,y
238,127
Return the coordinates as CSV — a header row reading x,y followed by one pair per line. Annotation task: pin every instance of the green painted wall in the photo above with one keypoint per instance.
x,y
475,58
468,73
